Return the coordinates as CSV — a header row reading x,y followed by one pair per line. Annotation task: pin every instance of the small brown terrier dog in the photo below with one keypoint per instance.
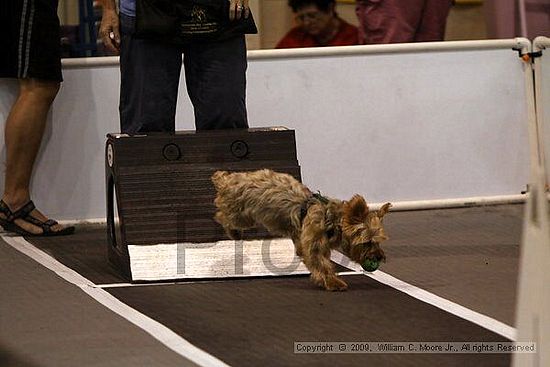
x,y
315,224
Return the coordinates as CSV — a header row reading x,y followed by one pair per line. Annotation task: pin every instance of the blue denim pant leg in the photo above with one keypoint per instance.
x,y
150,71
215,74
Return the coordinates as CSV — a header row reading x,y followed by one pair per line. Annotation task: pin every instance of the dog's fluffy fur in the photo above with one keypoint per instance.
x,y
279,202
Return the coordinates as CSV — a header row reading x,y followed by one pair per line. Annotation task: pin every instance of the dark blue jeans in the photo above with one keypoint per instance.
x,y
215,74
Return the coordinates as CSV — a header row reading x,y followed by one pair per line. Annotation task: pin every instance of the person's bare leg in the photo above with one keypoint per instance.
x,y
23,134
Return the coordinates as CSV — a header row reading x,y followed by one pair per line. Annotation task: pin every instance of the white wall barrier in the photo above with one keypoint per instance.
x,y
393,122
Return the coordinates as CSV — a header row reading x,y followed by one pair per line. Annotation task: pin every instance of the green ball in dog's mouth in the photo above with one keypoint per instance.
x,y
370,265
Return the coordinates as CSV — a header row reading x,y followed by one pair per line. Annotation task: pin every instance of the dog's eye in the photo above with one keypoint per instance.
x,y
330,233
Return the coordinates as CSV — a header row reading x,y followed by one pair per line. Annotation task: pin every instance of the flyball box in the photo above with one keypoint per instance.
x,y
160,194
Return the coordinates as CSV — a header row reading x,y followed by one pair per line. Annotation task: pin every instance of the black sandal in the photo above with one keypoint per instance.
x,y
24,213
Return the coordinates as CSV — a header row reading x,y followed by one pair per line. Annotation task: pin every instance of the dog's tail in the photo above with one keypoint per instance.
x,y
217,178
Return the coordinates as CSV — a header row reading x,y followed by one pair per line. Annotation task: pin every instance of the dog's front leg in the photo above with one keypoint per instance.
x,y
297,246
316,256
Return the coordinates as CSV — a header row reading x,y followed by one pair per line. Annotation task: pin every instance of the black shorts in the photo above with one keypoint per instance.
x,y
29,40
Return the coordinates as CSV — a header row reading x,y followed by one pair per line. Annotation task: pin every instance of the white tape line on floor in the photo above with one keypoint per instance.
x,y
430,298
154,328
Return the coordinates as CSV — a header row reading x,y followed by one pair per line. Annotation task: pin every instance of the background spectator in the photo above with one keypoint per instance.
x,y
29,39
150,66
318,25
400,21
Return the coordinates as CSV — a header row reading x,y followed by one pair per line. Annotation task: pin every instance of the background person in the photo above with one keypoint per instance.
x,y
31,49
318,25
215,68
401,21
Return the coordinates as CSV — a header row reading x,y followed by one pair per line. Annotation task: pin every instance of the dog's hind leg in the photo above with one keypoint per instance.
x,y
231,232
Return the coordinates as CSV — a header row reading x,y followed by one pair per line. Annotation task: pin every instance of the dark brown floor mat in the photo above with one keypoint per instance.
x,y
85,252
256,322
468,255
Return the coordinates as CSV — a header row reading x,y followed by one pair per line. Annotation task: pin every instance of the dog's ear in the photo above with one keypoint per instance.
x,y
384,210
356,210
